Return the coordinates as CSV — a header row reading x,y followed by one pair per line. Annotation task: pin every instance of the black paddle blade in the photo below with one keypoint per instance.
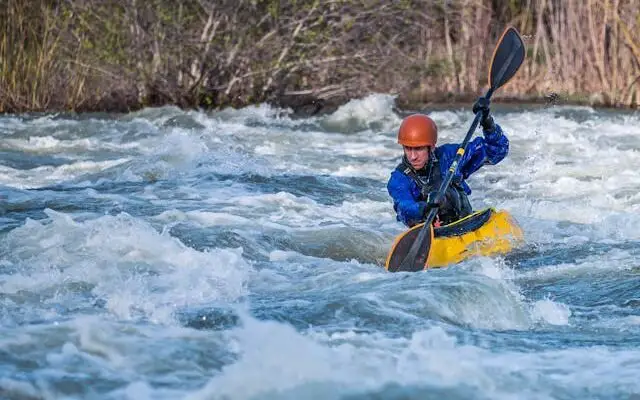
x,y
402,247
507,58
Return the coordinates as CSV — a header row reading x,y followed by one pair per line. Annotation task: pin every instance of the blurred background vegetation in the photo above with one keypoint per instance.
x,y
120,55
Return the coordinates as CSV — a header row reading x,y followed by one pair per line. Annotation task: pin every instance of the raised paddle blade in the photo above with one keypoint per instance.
x,y
507,58
402,246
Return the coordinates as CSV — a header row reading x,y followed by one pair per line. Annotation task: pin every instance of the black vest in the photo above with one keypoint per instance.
x,y
455,204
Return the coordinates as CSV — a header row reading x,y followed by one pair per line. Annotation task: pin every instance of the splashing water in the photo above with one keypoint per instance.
x,y
237,254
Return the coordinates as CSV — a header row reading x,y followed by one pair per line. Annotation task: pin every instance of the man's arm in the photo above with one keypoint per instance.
x,y
492,148
410,211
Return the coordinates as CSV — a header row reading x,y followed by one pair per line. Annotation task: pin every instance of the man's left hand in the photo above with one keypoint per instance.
x,y
486,120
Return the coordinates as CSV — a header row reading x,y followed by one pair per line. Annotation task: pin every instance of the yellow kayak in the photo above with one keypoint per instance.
x,y
484,233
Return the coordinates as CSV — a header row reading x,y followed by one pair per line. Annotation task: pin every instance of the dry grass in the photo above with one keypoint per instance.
x,y
118,55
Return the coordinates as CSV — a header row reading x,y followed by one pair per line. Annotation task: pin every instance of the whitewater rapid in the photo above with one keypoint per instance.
x,y
238,254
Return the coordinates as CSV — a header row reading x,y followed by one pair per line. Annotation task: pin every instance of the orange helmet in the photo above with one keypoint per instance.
x,y
418,130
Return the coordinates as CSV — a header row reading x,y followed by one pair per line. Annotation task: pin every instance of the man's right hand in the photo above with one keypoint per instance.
x,y
431,201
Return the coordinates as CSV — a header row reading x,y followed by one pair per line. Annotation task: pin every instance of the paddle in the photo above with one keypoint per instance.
x,y
507,58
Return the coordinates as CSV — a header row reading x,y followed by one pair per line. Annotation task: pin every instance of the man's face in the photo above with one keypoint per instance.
x,y
417,156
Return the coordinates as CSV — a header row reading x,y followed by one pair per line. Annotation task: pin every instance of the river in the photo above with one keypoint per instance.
x,y
237,254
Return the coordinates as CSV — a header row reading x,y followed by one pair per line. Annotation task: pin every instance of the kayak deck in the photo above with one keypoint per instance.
x,y
484,233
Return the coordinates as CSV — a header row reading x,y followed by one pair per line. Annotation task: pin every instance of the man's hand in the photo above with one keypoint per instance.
x,y
430,199
486,120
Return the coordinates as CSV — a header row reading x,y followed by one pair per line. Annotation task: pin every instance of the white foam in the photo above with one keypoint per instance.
x,y
262,113
633,320
274,358
373,111
52,145
203,218
279,255
616,260
113,253
46,175
449,121
280,199
362,170
551,312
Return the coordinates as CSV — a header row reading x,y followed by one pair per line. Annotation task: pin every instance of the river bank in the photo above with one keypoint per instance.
x,y
310,106
310,56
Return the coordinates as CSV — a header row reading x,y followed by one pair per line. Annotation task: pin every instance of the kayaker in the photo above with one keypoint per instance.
x,y
414,183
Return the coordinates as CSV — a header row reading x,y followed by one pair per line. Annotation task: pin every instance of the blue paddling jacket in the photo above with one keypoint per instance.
x,y
409,187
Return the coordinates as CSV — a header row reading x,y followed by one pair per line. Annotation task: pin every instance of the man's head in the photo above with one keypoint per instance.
x,y
418,135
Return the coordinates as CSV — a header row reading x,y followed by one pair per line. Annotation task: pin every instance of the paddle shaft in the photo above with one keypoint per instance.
x,y
419,244
454,165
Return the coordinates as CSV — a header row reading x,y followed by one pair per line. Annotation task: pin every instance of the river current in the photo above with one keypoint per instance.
x,y
238,254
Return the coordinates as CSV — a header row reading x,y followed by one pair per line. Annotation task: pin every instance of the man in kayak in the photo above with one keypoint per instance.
x,y
414,183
